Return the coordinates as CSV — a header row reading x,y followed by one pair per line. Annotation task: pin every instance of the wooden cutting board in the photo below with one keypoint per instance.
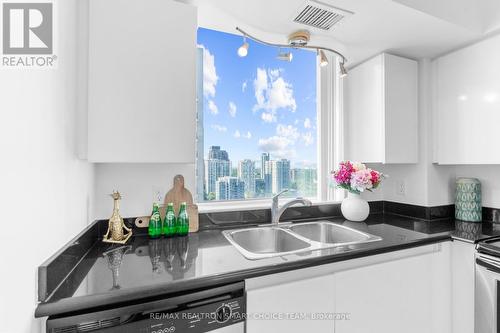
x,y
179,194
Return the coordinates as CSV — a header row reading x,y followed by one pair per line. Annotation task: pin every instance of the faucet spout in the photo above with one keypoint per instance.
x,y
277,211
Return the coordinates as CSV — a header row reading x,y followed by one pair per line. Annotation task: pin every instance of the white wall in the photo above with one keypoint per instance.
x,y
430,184
489,175
138,183
45,189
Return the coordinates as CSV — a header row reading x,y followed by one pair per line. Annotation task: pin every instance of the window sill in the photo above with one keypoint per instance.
x,y
227,206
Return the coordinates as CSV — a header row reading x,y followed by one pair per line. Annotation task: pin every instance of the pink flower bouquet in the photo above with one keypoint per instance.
x,y
355,177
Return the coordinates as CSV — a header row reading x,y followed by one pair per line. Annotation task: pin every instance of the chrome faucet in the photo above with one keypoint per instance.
x,y
277,211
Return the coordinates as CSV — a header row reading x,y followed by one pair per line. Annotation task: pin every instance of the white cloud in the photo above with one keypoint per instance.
x,y
244,86
237,134
212,107
288,132
274,143
272,92
278,146
307,123
282,145
232,109
219,128
281,95
275,73
260,86
268,117
307,138
210,77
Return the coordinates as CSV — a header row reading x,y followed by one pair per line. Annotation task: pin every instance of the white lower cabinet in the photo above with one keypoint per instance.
x,y
401,291
462,287
404,295
288,306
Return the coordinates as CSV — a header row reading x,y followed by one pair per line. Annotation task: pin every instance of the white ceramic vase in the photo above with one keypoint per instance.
x,y
355,208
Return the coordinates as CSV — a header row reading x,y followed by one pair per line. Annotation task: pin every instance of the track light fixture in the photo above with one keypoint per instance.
x,y
243,49
323,61
298,40
343,71
285,56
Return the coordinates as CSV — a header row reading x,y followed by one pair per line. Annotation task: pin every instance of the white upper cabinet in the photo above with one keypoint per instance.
x,y
381,124
142,81
467,104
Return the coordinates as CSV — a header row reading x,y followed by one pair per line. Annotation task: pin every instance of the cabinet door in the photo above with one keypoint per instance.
x,y
291,306
467,104
142,84
462,284
405,295
364,130
401,114
381,111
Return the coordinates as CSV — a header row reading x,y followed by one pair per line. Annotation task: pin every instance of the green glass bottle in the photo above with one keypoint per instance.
x,y
154,228
183,221
169,223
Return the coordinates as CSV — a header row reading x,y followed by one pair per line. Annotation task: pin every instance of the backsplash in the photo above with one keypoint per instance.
x,y
262,216
436,185
138,184
421,212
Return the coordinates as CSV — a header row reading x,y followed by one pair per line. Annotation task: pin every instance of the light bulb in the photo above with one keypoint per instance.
x,y
285,56
243,50
323,60
343,71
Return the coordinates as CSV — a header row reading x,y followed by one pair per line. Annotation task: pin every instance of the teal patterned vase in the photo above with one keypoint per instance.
x,y
468,200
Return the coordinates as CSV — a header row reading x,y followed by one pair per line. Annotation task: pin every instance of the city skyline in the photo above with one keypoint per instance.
x,y
250,180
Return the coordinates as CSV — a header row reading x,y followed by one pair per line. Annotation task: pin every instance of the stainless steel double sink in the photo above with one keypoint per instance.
x,y
288,238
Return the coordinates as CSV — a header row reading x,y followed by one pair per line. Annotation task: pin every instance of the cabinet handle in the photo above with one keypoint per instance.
x,y
489,264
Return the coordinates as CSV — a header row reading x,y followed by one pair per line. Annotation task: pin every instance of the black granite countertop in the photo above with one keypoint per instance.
x,y
109,274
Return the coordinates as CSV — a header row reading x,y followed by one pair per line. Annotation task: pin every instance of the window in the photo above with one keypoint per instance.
x,y
257,120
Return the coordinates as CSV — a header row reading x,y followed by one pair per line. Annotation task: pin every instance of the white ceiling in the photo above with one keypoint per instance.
x,y
412,28
482,16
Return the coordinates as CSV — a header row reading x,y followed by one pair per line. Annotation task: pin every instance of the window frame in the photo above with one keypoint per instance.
x,y
331,128
330,147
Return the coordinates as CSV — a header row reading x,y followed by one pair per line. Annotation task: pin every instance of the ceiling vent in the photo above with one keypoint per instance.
x,y
319,15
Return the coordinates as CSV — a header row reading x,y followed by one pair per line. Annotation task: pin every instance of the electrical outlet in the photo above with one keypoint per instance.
x,y
157,194
400,187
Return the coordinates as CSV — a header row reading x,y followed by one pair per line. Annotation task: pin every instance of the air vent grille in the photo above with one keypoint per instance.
x,y
320,16
88,327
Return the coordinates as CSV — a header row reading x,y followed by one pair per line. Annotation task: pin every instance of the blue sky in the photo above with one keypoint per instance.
x,y
258,103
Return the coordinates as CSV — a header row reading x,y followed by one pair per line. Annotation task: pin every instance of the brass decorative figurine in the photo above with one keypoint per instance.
x,y
116,225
